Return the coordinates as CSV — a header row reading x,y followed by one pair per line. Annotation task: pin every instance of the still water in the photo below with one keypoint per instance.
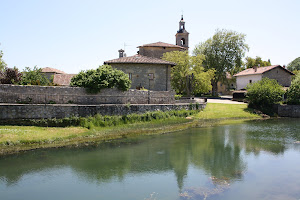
x,y
252,160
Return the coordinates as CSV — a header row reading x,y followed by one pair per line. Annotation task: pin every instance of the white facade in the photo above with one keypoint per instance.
x,y
243,81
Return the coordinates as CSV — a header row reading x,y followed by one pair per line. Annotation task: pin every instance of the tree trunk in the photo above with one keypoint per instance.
x,y
214,88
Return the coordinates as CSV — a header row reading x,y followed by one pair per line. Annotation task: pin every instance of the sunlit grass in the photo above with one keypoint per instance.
x,y
226,111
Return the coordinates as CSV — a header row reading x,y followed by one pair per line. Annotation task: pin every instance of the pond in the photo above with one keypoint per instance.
x,y
251,160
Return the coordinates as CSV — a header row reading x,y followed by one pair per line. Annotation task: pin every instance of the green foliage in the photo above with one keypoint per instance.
x,y
188,70
294,65
251,62
264,93
34,77
103,77
223,52
105,120
2,63
293,93
10,76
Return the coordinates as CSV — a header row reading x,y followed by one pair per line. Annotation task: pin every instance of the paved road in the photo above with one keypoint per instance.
x,y
224,99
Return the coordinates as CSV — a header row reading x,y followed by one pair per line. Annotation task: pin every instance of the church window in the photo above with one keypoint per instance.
x,y
182,41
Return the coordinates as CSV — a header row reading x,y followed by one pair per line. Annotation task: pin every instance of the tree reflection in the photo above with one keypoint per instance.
x,y
218,151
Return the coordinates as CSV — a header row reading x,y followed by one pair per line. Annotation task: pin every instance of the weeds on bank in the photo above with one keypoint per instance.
x,y
109,127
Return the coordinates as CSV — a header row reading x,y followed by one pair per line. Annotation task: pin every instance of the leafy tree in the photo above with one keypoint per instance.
x,y
223,52
103,77
188,74
294,65
264,93
2,63
10,76
251,62
293,93
34,77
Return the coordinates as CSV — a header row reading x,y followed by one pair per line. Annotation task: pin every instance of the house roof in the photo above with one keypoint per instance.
x,y
52,70
139,59
62,79
162,44
260,70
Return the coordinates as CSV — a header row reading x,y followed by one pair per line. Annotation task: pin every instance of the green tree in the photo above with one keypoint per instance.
x,y
2,63
34,77
188,76
294,65
293,93
103,77
223,52
263,94
251,62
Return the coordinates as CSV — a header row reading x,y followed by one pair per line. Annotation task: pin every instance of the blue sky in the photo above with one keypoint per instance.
x,y
75,35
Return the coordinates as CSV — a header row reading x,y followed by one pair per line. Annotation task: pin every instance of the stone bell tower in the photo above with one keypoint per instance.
x,y
182,36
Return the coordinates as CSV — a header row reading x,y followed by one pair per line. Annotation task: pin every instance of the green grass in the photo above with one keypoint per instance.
x,y
226,111
18,138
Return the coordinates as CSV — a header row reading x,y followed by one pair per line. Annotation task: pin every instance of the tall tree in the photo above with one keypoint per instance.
x,y
2,63
251,62
224,53
294,65
188,76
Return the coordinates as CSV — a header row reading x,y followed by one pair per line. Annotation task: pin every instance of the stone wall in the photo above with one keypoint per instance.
x,y
282,76
42,111
140,75
74,95
288,110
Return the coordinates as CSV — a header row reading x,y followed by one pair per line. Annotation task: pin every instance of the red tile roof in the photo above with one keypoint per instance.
x,y
162,44
48,69
260,70
62,79
139,59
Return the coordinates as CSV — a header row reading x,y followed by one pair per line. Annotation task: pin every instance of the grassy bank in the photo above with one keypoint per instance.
x,y
100,128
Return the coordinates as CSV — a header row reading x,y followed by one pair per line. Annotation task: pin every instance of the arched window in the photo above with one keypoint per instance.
x,y
182,41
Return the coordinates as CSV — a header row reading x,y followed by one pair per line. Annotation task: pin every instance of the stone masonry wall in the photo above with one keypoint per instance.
x,y
140,75
42,111
74,95
279,74
288,110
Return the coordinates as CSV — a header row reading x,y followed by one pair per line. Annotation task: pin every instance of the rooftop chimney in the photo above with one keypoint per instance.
x,y
283,66
255,68
121,53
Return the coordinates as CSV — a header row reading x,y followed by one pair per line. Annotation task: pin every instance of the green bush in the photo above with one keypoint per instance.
x,y
293,93
34,77
263,94
103,77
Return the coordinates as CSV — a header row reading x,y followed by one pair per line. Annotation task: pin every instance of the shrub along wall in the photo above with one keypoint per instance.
x,y
74,95
46,111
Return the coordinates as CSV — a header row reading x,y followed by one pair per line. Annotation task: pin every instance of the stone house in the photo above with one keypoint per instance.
x,y
57,76
145,72
147,69
226,87
251,75
50,72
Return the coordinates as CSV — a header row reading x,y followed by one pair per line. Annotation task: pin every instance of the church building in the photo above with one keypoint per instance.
x,y
146,69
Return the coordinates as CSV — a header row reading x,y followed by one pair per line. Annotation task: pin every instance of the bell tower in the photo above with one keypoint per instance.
x,y
182,36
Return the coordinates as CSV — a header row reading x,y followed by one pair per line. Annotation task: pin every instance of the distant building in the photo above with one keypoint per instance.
x,y
226,87
251,75
57,76
147,69
50,72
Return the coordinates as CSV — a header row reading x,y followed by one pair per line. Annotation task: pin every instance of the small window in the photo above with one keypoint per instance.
x,y
250,81
182,41
151,76
130,76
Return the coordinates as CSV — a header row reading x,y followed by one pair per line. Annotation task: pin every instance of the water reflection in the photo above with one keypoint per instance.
x,y
217,151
